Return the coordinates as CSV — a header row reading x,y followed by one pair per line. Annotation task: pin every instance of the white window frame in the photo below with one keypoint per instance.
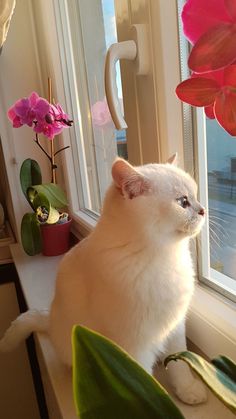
x,y
210,276
211,321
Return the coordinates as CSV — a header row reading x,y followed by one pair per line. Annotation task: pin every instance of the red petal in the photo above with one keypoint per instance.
x,y
230,76
198,16
230,6
215,49
225,111
217,75
198,91
209,111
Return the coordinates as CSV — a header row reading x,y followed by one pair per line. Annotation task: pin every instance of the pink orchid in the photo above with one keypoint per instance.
x,y
35,111
57,113
53,122
16,122
211,26
48,129
26,110
216,91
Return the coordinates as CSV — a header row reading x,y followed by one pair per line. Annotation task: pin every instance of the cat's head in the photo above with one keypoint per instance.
x,y
161,196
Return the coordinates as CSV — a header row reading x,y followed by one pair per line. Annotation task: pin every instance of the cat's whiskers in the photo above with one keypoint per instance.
x,y
218,218
219,228
215,238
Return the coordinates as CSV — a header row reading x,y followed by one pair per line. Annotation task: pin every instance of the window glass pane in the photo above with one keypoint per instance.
x,y
102,142
221,163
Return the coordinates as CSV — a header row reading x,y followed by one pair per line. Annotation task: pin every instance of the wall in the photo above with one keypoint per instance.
x,y
19,75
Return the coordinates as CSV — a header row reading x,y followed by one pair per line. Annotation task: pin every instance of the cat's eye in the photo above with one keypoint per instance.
x,y
183,201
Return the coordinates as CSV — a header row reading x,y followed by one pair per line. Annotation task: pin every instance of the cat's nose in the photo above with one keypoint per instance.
x,y
201,211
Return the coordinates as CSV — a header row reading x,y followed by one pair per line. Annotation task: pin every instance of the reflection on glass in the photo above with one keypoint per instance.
x,y
221,155
103,142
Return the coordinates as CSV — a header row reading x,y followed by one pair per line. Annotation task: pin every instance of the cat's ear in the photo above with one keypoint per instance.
x,y
173,159
130,182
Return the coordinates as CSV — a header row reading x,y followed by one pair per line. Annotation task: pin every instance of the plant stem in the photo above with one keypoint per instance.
x,y
53,167
38,143
61,149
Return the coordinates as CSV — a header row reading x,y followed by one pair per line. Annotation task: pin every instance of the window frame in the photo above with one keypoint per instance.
x,y
214,279
220,326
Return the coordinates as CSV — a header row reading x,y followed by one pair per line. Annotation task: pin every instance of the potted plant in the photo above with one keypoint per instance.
x,y
47,228
108,383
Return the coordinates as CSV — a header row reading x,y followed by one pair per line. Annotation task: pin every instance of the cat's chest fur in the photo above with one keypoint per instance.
x,y
144,292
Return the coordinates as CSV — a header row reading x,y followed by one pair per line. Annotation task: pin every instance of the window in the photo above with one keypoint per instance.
x,y
216,171
217,151
90,28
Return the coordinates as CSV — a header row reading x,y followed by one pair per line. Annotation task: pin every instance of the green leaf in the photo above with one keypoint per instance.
x,y
53,193
40,201
219,376
226,365
30,174
108,384
30,234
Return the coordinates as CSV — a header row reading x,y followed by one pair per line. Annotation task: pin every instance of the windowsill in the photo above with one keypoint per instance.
x,y
37,278
211,323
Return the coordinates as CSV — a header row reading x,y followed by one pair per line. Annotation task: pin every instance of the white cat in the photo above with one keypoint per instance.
x,y
132,279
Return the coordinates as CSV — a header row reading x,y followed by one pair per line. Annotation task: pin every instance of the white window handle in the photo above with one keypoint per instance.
x,y
135,49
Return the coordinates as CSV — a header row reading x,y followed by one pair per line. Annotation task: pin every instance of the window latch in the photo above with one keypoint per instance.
x,y
135,49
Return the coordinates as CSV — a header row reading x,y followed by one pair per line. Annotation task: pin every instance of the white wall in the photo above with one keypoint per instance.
x,y
19,75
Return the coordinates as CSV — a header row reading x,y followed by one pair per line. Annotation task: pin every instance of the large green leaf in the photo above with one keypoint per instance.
x,y
30,234
30,174
108,384
40,201
220,375
53,193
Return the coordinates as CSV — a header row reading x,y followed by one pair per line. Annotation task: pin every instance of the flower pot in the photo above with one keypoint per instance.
x,y
55,238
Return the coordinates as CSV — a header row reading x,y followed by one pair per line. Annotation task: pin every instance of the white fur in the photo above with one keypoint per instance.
x,y
132,278
22,327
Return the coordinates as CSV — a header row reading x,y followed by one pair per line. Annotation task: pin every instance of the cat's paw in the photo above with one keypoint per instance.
x,y
193,393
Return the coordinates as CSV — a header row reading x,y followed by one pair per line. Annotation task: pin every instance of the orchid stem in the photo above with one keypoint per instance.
x,y
38,143
61,149
52,142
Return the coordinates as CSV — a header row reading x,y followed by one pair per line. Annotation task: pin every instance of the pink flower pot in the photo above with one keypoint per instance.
x,y
55,238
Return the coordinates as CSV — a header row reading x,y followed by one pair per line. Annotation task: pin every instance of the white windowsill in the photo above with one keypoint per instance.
x,y
37,278
211,323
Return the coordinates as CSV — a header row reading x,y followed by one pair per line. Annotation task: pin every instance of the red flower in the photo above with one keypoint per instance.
x,y
211,26
216,91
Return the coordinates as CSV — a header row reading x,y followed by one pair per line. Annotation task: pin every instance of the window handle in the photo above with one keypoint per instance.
x,y
135,49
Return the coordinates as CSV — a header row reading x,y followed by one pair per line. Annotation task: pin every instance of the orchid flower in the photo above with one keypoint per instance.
x,y
211,26
216,91
35,111
45,118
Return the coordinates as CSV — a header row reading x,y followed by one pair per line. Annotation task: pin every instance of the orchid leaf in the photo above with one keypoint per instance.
x,y
214,50
226,365
107,383
219,376
225,111
43,210
30,234
30,174
198,91
52,192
